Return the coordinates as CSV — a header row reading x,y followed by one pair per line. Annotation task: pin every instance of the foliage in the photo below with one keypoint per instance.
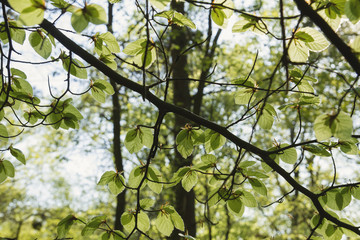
x,y
231,164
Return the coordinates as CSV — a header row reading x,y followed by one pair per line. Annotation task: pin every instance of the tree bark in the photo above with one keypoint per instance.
x,y
185,201
116,117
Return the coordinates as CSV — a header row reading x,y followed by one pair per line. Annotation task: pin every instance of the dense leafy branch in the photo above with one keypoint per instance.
x,y
167,107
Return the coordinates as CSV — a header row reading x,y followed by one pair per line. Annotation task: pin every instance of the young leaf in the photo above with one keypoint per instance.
x,y
135,177
110,41
289,155
64,225
248,199
298,51
31,11
107,177
177,18
40,44
128,221
184,143
93,225
236,207
143,222
78,21
155,176
164,224
352,10
117,185
8,168
266,116
319,42
147,203
3,175
4,135
176,218
17,154
328,125
258,186
189,180
160,4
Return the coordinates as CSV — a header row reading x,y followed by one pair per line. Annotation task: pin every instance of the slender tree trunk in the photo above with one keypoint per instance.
x,y
185,201
116,117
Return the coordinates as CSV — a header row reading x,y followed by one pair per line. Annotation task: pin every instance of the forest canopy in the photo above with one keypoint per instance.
x,y
213,119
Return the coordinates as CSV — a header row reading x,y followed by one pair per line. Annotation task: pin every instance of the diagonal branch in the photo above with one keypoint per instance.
x,y
167,107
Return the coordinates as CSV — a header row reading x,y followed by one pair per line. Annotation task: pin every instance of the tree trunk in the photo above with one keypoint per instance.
x,y
116,117
185,201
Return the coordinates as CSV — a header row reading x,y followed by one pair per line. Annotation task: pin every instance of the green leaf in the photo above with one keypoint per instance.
x,y
248,199
135,48
178,176
175,218
355,44
114,1
64,225
348,232
155,176
117,185
189,180
298,51
8,168
209,159
236,207
218,16
352,10
78,21
317,150
3,175
104,86
98,94
16,32
40,44
184,143
106,236
164,224
303,36
147,203
93,225
128,221
135,177
17,154
107,177
110,41
289,155
319,42
258,186
95,14
136,138
349,147
355,192
4,135
160,4
118,235
31,11
77,68
143,222
213,140
146,136
244,96
177,18
328,125
227,7
338,199
266,116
